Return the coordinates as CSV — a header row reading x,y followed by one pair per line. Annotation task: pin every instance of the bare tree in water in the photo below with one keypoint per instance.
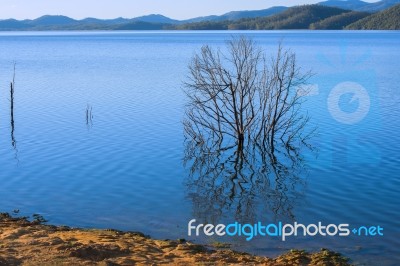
x,y
241,94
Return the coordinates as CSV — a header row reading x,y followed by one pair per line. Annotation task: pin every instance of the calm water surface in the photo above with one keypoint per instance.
x,y
124,169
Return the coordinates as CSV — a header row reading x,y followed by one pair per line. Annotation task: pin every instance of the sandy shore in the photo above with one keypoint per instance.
x,y
23,242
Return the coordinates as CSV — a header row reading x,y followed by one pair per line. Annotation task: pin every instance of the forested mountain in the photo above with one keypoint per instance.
x,y
236,15
300,17
385,20
325,15
358,5
307,17
379,6
339,22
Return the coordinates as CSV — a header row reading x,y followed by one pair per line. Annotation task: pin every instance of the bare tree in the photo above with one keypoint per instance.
x,y
243,95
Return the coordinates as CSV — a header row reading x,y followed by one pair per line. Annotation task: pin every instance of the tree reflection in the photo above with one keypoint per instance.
x,y
243,182
89,116
12,122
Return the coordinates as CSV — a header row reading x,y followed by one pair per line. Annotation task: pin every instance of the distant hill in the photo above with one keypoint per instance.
x,y
43,22
379,6
345,4
300,17
236,15
140,25
358,5
339,22
388,19
12,24
330,14
155,18
306,17
104,21
52,20
153,21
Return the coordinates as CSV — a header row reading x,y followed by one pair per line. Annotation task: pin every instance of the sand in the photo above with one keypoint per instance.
x,y
24,242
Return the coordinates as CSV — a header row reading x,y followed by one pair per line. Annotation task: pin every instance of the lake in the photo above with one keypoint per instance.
x,y
97,138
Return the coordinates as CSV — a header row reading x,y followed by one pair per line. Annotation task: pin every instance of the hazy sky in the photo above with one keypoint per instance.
x,y
178,9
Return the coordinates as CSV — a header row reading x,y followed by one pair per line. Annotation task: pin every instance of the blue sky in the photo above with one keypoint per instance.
x,y
178,9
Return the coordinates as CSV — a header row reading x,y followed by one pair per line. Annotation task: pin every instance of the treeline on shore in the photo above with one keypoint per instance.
x,y
314,17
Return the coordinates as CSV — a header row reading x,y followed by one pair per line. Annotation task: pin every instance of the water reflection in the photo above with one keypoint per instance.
x,y
13,140
89,116
225,181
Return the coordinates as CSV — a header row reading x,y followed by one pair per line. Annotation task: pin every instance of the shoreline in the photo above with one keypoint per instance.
x,y
24,242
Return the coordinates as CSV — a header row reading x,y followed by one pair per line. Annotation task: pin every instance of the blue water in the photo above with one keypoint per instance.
x,y
124,169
